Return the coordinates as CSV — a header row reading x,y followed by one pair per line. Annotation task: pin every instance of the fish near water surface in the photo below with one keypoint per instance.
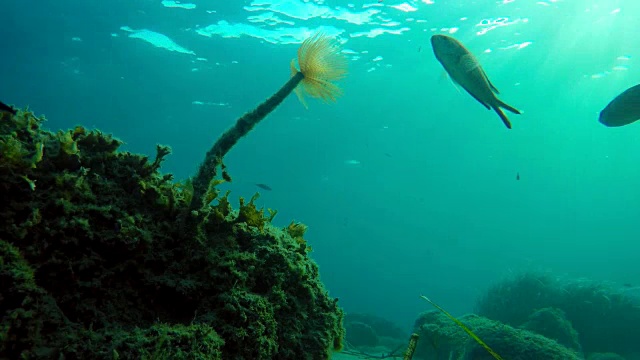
x,y
6,108
465,70
623,110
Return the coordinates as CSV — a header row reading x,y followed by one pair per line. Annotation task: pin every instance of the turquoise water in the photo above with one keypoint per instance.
x,y
407,184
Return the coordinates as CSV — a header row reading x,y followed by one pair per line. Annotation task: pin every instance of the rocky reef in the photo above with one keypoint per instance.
x,y
538,316
99,261
369,333
440,338
604,317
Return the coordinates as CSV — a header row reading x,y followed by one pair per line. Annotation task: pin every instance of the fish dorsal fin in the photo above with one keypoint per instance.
x,y
493,88
468,63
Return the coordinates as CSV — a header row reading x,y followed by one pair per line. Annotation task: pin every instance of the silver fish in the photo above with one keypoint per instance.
x,y
465,70
623,110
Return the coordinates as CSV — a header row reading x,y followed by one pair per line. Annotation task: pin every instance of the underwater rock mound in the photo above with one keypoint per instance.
x,y
441,338
605,318
96,263
369,331
553,324
361,334
605,356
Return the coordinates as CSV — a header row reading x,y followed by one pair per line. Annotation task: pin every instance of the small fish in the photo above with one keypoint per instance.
x,y
264,187
465,70
517,176
6,108
623,110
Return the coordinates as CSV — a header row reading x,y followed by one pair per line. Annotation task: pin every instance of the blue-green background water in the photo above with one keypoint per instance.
x,y
408,186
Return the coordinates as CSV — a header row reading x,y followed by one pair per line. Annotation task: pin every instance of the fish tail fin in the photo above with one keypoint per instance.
x,y
504,117
508,107
501,104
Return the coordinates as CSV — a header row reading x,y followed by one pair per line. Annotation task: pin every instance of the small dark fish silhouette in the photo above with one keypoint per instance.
x,y
6,108
518,176
264,187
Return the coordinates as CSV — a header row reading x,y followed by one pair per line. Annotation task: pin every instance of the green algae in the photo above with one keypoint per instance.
x,y
95,262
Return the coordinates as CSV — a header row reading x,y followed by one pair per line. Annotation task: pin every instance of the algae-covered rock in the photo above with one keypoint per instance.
x,y
371,331
361,334
96,261
553,324
606,318
381,326
604,356
441,338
